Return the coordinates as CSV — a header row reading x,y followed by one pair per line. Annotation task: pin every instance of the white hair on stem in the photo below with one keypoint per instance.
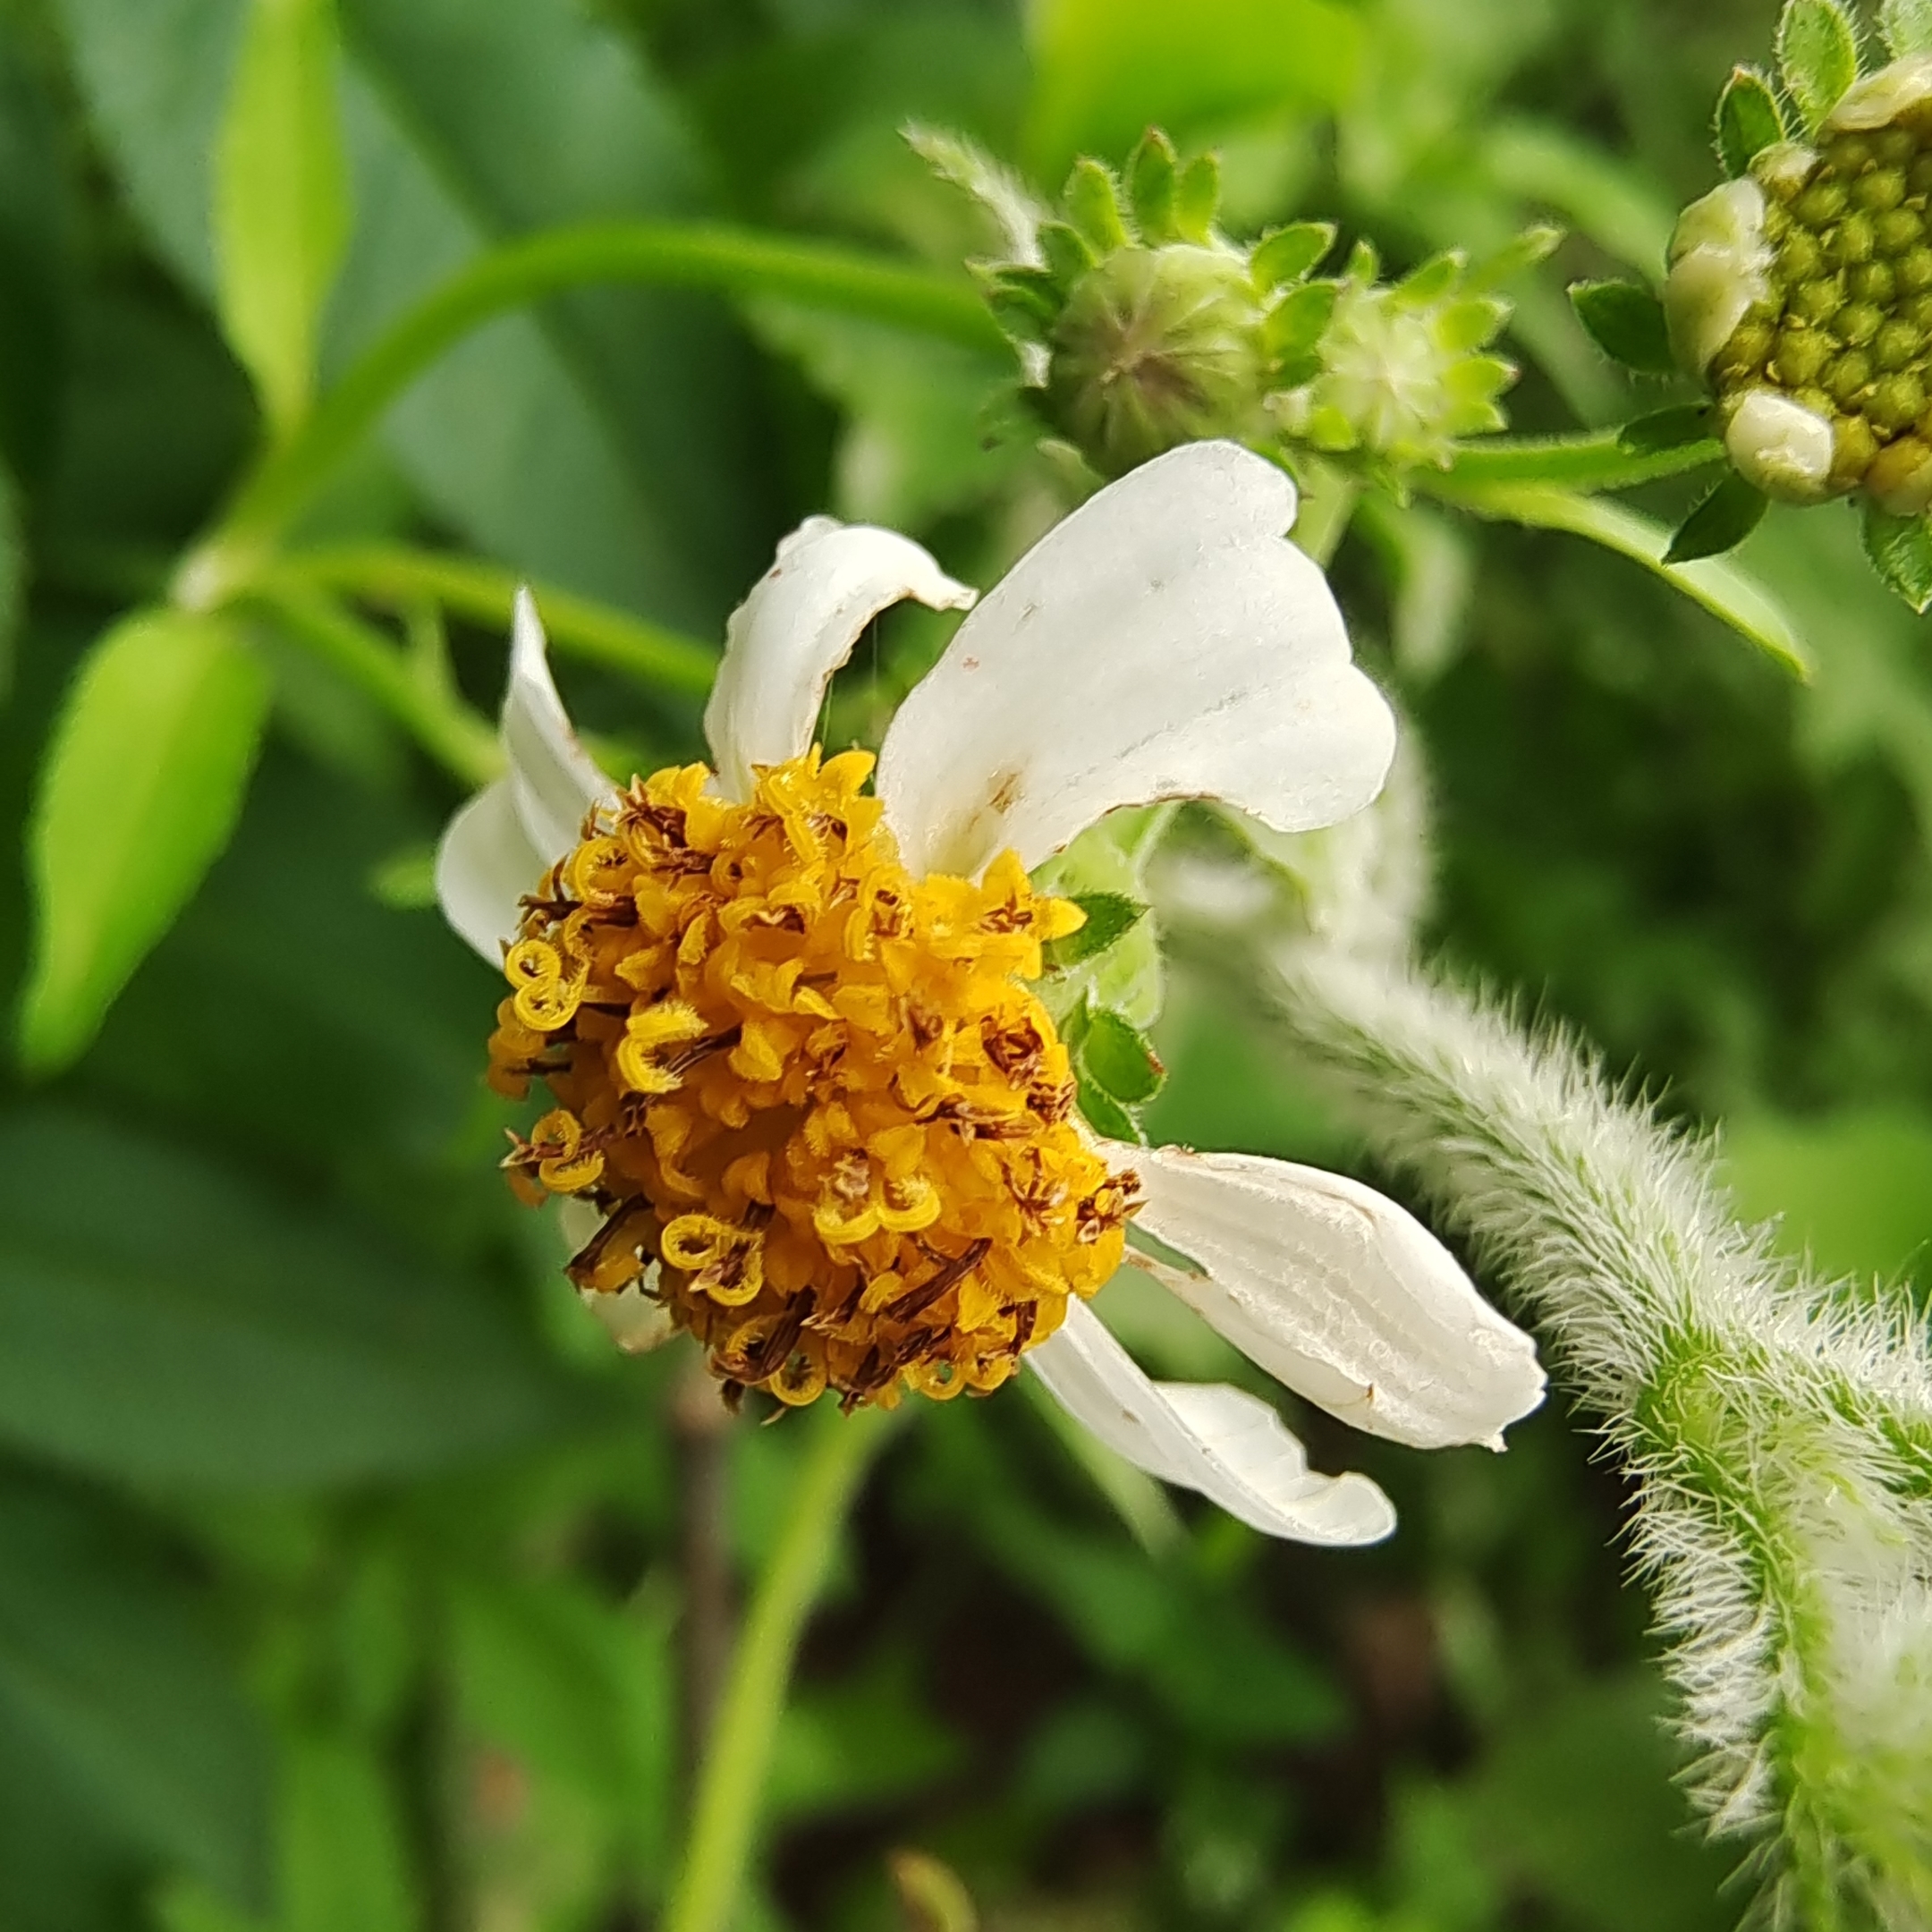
x,y
1779,1428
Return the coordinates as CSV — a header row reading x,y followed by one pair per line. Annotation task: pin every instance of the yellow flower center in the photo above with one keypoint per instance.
x,y
813,1089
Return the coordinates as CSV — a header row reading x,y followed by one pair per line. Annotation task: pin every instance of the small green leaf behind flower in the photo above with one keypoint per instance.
x,y
1627,323
1817,57
1729,511
1111,916
141,788
1901,551
1749,120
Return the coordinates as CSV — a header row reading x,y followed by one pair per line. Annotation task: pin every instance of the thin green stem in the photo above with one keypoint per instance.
x,y
1328,500
674,255
396,575
453,734
731,1786
1599,460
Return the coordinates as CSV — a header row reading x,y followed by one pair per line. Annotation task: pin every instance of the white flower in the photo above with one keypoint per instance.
x,y
1719,269
1780,445
1880,98
1163,641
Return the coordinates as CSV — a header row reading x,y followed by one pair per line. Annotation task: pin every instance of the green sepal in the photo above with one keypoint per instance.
x,y
1730,511
1900,550
1025,301
1293,371
1117,1057
1626,323
1105,1115
1068,256
1425,285
1298,322
1092,203
1907,27
1676,428
1817,57
1198,197
1153,174
1289,253
1531,247
1469,322
1110,917
1749,120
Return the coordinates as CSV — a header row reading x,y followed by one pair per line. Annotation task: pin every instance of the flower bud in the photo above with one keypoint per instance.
x,y
1780,445
1156,347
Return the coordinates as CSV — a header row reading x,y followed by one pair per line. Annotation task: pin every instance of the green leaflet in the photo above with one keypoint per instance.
x,y
1906,26
1118,1058
1748,120
105,1665
1726,515
1111,916
1817,57
142,784
281,200
206,1333
1901,551
1626,323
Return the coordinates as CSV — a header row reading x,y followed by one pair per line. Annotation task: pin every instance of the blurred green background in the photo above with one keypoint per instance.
x,y
340,1575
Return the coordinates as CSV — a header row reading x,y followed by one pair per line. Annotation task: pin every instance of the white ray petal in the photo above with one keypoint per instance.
x,y
483,866
1164,641
553,779
1339,1293
1205,1436
798,626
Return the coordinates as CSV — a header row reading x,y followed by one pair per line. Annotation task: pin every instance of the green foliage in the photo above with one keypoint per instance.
x,y
1817,56
1748,120
1723,518
1626,323
1906,26
1900,550
1110,917
142,785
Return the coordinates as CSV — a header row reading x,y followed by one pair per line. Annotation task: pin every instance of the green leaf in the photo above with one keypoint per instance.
x,y
142,785
1153,171
204,1333
281,200
1725,589
1110,917
1817,57
1106,1116
1289,253
1068,255
1907,27
1680,427
1091,198
1198,197
1626,323
1748,120
1118,1058
1296,325
1901,551
104,1661
345,1849
1727,514
1106,68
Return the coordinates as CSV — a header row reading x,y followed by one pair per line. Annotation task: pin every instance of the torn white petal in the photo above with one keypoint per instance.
x,y
1164,641
1339,1293
553,779
1208,1437
797,627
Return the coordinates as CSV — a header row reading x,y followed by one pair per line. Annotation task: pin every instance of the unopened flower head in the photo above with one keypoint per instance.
x,y
1807,287
796,1064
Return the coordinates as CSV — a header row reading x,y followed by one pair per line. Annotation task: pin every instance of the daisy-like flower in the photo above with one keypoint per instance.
x,y
798,1071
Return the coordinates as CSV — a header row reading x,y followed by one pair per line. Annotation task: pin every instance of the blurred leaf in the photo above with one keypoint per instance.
x,y
1853,1190
1579,1804
343,1858
1724,516
1612,203
931,1894
859,1743
1907,26
1108,68
141,787
1626,323
1900,550
13,574
281,199
103,1661
1748,120
1434,566
1110,917
202,1332
1817,57
1725,589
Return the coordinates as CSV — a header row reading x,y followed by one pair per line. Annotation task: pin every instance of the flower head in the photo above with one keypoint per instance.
x,y
798,1069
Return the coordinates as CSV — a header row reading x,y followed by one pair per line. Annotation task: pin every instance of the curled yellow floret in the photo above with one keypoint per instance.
x,y
816,1092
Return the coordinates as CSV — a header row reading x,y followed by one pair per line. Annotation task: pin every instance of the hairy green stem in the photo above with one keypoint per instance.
x,y
1775,1427
396,575
1601,460
461,740
725,1820
666,254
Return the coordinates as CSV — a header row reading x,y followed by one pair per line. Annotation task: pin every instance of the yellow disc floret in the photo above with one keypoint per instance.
x,y
814,1091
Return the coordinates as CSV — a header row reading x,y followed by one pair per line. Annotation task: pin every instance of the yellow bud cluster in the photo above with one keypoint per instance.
x,y
816,1092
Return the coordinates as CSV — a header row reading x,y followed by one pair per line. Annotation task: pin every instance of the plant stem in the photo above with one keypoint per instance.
x,y
1328,500
1599,460
454,736
725,1817
395,575
667,254
701,1429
